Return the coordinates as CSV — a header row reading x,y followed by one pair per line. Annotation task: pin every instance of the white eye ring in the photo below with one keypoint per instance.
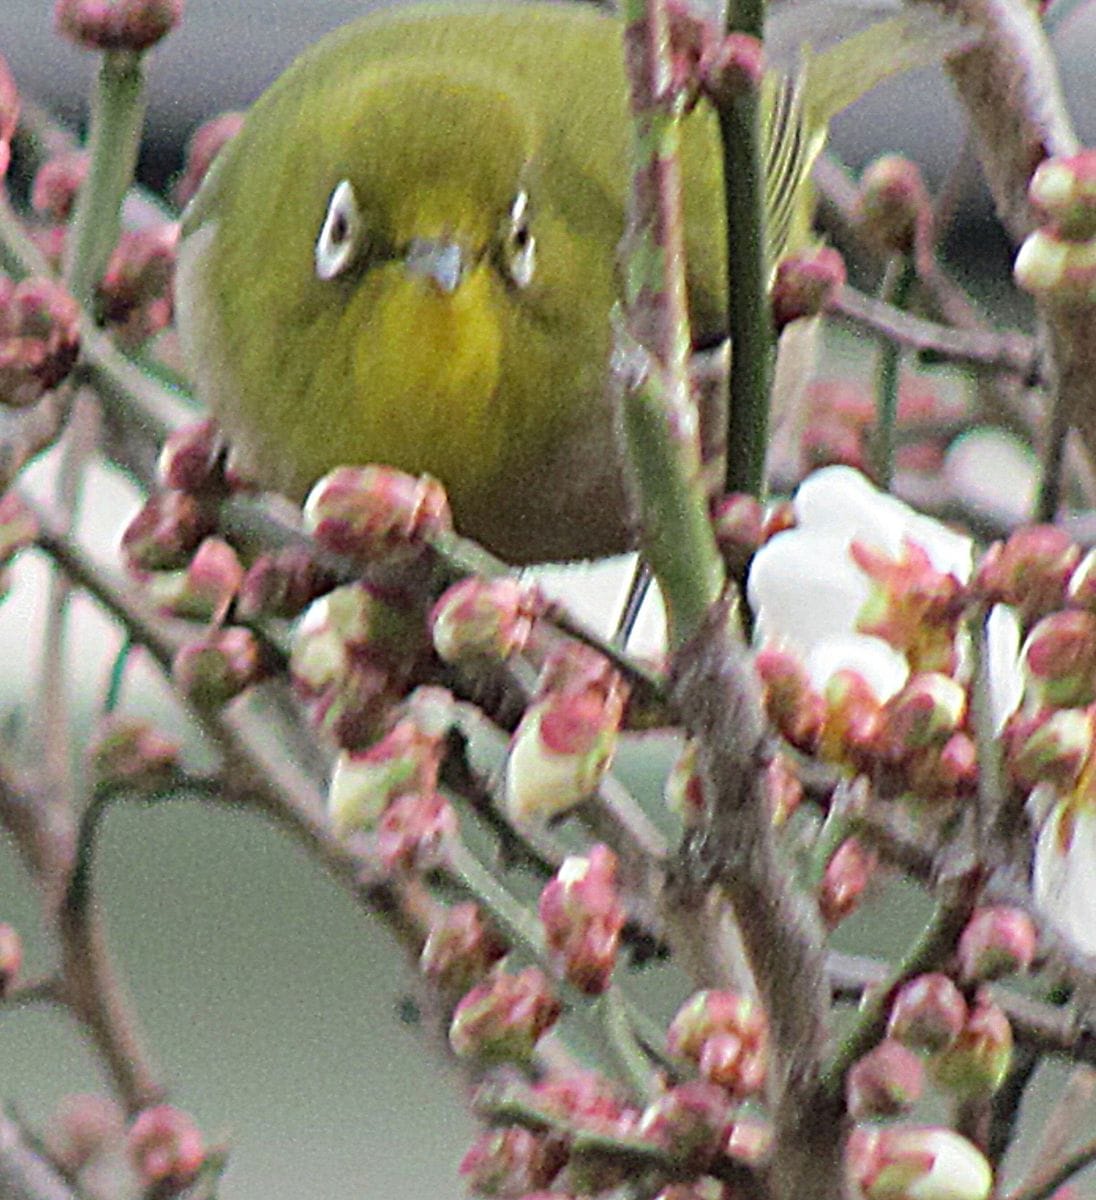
x,y
340,235
521,259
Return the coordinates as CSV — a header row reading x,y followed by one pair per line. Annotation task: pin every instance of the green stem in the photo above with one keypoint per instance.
x,y
117,115
616,1021
889,363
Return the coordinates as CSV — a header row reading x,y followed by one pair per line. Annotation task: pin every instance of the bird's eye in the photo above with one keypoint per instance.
x,y
340,236
520,248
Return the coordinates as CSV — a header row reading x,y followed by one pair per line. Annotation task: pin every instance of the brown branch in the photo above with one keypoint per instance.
x,y
25,1174
716,694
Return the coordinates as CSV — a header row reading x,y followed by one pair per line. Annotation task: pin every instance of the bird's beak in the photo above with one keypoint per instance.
x,y
441,263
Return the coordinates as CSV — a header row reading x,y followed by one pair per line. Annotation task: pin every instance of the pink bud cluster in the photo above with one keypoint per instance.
x,y
39,339
134,25
134,297
9,114
485,620
726,1036
502,1019
166,1149
582,916
894,211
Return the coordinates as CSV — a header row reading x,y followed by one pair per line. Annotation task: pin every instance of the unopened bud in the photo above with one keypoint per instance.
x,y
1056,268
690,1121
116,24
886,1081
511,1163
1030,571
375,512
216,668
927,711
11,958
134,296
1060,659
844,881
39,339
791,702
166,1150
205,144
726,1035
1050,746
1065,189
997,941
166,532
907,1163
805,284
9,114
57,183
460,949
975,1065
82,1127
582,916
928,1013
484,619
282,584
503,1018
192,459
738,521
129,752
414,831
893,207
205,589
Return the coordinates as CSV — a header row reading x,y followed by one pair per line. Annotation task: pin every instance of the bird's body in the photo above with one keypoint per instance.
x,y
409,256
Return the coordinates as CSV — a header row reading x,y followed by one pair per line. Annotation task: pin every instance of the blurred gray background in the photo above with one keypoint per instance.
x,y
274,1007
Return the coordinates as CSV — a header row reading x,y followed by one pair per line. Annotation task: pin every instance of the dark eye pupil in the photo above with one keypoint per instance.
x,y
521,237
339,228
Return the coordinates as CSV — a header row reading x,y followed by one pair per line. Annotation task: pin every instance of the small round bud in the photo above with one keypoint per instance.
x,y
375,512
791,702
893,208
726,1035
1059,658
216,668
129,752
845,880
414,831
996,942
503,1018
692,1121
9,114
282,584
738,521
511,1163
11,958
927,711
134,296
1050,746
484,619
976,1063
1065,189
57,183
928,1013
82,1127
805,284
205,589
1030,571
1055,268
192,459
165,532
116,24
460,949
205,144
907,1163
886,1081
166,1150
582,916
39,339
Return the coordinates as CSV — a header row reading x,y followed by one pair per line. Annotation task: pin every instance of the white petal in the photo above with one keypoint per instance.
x,y
993,472
881,665
1064,878
1006,679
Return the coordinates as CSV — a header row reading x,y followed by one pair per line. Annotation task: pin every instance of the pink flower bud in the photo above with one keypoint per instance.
x,y
216,668
511,1163
909,1163
691,1121
947,773
134,296
460,949
484,619
128,751
893,208
205,144
11,958
582,916
738,520
783,789
404,762
39,339
750,1141
413,832
852,722
503,1018
586,1099
9,114
206,588
928,1013
1064,188
192,459
997,941
57,183
1050,746
82,1127
726,1035
1030,571
375,512
565,742
734,64
978,1061
166,1149
805,284
1060,659
1056,268
166,532
844,881
927,711
116,24
886,1081
282,584
791,703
